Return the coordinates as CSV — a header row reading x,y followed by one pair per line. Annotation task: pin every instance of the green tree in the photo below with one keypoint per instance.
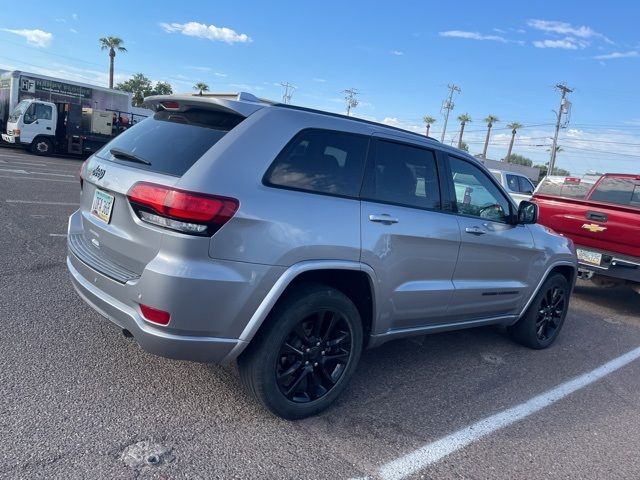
x,y
140,86
514,126
520,160
201,87
463,119
113,44
162,88
489,120
464,146
428,121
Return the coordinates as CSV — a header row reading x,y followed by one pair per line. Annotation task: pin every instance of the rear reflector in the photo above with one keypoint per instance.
x,y
186,212
154,315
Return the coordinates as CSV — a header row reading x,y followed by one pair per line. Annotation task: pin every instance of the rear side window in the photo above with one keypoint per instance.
x,y
321,161
512,182
622,191
404,175
172,141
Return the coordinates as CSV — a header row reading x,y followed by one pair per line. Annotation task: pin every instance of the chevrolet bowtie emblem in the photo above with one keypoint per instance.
x,y
592,227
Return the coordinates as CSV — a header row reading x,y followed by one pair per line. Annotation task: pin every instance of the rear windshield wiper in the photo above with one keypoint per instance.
x,y
121,154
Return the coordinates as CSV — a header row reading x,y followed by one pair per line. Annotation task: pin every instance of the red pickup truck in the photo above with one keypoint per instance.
x,y
603,220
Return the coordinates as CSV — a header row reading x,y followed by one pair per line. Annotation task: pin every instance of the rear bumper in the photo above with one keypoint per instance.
x,y
152,339
613,265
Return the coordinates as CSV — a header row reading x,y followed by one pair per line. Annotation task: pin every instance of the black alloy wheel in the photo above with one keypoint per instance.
x,y
550,313
314,356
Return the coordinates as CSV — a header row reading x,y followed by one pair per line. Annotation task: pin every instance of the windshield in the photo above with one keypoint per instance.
x,y
19,110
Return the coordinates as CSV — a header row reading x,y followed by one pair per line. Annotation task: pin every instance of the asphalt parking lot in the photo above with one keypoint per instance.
x,y
79,400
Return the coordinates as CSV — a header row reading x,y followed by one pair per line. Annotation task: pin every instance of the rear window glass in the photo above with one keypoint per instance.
x,y
565,187
622,191
172,141
321,161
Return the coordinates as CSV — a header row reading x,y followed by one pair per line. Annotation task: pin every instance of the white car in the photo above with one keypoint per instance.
x,y
519,187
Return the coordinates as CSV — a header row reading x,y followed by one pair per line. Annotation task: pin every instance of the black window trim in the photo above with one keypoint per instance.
x,y
272,166
368,171
511,218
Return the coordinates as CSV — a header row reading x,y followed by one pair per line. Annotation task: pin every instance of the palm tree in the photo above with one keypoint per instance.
x,y
112,44
201,87
514,126
463,119
489,120
428,121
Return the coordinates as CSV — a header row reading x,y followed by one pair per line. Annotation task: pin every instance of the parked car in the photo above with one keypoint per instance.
x,y
519,186
603,219
231,228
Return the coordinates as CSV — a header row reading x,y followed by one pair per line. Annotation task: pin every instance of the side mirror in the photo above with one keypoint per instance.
x,y
527,212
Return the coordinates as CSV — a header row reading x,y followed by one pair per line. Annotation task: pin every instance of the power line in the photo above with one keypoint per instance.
x,y
288,92
448,105
564,108
350,98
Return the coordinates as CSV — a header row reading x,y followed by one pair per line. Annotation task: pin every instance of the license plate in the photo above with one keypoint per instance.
x,y
102,205
8,138
591,258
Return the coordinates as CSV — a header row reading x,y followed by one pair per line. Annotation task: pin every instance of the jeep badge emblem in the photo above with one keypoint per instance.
x,y
98,172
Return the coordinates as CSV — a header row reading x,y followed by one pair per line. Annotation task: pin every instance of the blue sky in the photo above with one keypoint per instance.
x,y
506,57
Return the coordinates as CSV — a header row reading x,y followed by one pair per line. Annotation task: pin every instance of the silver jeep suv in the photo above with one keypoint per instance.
x,y
226,227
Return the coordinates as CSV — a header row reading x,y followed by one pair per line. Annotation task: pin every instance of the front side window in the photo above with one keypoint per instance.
x,y
622,191
525,185
404,175
476,195
321,161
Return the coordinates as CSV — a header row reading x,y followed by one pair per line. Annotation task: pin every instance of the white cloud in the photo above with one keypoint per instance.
x,y
219,74
472,36
246,87
319,80
73,30
564,28
210,32
567,43
613,55
35,37
498,30
61,20
200,69
74,16
397,53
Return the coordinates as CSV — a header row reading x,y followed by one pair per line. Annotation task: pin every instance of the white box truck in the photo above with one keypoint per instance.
x,y
49,115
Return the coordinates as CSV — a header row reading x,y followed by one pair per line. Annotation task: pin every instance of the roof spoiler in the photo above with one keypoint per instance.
x,y
241,103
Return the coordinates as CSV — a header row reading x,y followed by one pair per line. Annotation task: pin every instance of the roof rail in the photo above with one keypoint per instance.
x,y
355,119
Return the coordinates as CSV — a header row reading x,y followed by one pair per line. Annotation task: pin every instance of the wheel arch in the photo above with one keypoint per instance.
x,y
354,279
565,268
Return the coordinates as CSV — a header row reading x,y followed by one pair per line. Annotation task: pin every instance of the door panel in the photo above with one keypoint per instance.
x,y
414,260
406,239
493,273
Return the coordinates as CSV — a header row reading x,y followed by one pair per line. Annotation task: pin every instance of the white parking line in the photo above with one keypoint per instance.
x,y
38,202
435,451
15,177
57,234
24,172
23,163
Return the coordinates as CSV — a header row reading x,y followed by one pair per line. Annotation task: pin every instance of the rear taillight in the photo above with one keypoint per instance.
x,y
154,315
186,212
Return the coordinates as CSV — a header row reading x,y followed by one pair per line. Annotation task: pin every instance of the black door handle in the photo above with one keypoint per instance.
x,y
48,128
597,216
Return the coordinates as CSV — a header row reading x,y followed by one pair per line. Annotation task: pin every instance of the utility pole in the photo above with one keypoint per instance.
x,y
447,106
565,108
350,98
288,92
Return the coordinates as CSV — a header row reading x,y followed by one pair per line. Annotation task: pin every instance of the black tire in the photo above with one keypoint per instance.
x,y
297,365
42,146
540,325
